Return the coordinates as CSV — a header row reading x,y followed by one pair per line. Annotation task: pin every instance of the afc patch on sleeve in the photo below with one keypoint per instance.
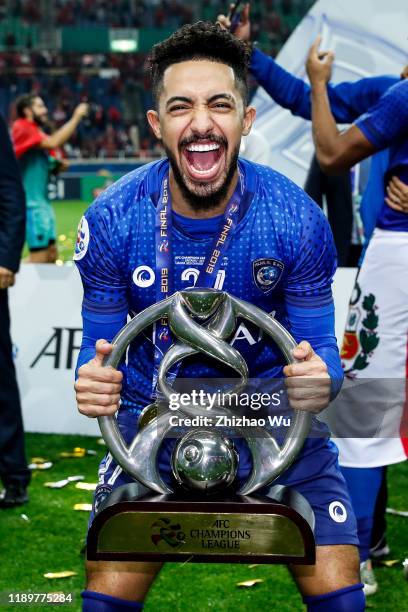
x,y
266,273
82,241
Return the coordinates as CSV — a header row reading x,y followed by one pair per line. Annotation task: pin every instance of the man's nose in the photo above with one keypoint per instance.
x,y
201,122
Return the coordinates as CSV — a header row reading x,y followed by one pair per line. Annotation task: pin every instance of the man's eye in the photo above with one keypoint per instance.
x,y
179,107
222,105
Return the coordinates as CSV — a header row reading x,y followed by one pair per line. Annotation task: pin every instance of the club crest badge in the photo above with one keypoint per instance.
x,y
267,273
82,241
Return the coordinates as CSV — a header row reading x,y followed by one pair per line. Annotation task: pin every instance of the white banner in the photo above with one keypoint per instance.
x,y
45,307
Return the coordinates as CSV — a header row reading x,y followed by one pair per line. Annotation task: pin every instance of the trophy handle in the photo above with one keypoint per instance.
x,y
139,460
267,464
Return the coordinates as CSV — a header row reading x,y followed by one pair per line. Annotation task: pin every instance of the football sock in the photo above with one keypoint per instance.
x,y
99,602
343,600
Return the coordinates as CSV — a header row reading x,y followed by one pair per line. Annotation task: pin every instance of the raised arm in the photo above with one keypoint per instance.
x,y
380,127
347,100
335,151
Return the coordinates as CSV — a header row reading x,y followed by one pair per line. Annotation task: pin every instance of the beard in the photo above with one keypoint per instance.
x,y
41,121
208,197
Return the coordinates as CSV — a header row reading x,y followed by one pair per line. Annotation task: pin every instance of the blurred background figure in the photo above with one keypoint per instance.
x,y
14,472
37,154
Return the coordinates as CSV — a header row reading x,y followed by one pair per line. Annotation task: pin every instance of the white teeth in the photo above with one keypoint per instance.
x,y
201,148
204,171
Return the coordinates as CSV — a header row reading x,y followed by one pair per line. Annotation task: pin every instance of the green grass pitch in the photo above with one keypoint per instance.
x,y
68,214
52,539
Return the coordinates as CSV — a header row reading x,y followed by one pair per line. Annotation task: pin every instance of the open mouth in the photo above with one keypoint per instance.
x,y
203,160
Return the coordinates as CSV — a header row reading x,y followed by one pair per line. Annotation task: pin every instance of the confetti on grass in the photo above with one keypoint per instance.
x,y
397,512
250,583
83,507
40,466
77,453
388,562
86,486
59,484
67,574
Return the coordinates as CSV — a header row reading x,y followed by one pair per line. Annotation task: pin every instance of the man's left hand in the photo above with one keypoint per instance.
x,y
7,278
397,195
308,382
319,64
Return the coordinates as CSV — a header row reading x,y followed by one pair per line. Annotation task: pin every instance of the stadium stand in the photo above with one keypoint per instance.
x,y
113,83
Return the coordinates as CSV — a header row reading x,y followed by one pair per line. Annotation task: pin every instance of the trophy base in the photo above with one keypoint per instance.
x,y
275,526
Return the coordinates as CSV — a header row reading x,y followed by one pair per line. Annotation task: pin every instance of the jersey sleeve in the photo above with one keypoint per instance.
x,y
348,100
105,303
309,299
314,256
25,136
388,119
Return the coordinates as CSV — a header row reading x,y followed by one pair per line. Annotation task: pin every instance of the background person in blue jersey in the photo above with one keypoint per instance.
x,y
200,91
348,100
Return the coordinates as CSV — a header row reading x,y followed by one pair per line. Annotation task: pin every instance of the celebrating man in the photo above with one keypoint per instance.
x,y
33,149
200,91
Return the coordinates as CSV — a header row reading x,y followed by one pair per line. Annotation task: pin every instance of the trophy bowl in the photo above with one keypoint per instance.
x,y
204,461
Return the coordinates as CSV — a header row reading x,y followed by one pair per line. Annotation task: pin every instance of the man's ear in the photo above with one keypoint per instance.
x,y
154,122
249,118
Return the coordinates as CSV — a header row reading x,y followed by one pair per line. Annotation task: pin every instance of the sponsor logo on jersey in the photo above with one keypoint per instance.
x,y
338,512
82,241
144,276
267,273
360,337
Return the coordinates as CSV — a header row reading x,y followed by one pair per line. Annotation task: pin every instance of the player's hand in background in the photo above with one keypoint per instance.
x,y
97,387
7,278
397,195
81,111
308,382
243,29
319,63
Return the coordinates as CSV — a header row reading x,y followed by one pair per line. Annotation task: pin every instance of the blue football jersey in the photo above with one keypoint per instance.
x,y
386,125
281,258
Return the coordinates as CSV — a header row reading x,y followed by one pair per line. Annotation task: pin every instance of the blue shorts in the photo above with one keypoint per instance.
x,y
40,226
315,475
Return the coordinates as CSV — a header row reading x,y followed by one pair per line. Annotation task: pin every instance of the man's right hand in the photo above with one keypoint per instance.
x,y
319,64
7,278
98,388
81,111
243,29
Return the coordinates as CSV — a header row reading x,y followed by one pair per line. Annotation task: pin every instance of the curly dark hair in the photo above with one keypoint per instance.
x,y
201,40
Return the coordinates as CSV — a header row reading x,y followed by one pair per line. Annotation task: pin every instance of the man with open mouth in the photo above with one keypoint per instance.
x,y
204,217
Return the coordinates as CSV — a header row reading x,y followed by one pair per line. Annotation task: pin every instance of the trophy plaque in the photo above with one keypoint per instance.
x,y
206,515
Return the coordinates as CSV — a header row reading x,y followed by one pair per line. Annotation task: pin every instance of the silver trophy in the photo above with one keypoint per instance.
x,y
204,517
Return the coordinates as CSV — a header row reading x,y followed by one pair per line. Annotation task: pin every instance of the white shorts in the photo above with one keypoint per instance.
x,y
375,348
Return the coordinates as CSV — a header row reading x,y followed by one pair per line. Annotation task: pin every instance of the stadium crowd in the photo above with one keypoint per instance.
x,y
114,84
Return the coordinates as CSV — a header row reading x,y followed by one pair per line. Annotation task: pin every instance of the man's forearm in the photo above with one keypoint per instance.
x,y
284,88
326,136
61,136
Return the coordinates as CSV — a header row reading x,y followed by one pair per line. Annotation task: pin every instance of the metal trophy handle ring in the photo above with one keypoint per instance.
x,y
201,321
